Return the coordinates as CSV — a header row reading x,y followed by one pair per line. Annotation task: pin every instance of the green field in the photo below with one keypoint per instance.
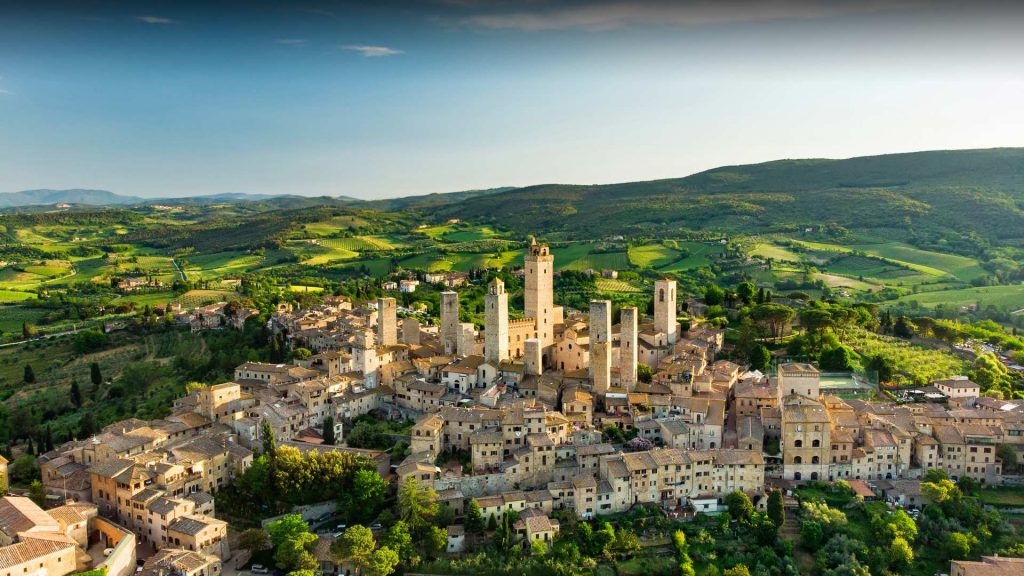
x,y
666,258
1011,297
775,252
12,317
220,264
608,285
194,298
923,262
15,296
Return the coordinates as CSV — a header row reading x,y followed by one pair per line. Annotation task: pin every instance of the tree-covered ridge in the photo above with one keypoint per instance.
x,y
979,191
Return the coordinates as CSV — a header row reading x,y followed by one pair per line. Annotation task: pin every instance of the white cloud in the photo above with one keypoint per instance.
x,y
613,14
156,20
5,92
372,51
290,41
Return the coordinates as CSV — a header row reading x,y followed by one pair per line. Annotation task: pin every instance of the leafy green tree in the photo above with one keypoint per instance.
x,y
76,394
383,562
538,548
297,554
900,554
369,492
29,376
289,527
253,540
745,291
941,491
267,439
356,544
626,542
399,539
328,430
739,505
37,493
644,373
713,295
958,545
95,375
776,507
760,357
837,359
474,522
737,570
435,542
417,503
86,425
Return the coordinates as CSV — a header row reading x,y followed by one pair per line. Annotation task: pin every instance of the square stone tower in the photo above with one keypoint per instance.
x,y
364,357
601,345
539,294
410,331
387,321
496,322
665,308
451,332
627,347
533,359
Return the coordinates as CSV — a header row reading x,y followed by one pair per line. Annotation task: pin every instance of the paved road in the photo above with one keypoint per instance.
x,y
178,268
38,338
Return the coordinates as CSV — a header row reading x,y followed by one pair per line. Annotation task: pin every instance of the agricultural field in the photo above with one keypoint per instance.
x,y
194,298
775,252
220,264
335,225
15,296
1009,297
915,364
926,264
606,285
669,256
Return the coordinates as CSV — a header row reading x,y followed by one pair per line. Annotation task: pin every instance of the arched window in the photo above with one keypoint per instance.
x,y
796,476
798,460
814,475
815,443
661,295
814,460
798,444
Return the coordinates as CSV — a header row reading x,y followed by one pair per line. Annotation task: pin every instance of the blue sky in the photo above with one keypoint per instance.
x,y
389,98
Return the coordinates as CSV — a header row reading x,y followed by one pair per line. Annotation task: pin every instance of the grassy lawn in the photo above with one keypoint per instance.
x,y
301,288
836,281
220,264
12,317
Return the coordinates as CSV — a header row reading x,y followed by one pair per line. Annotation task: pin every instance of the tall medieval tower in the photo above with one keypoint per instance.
x,y
627,347
665,308
538,299
387,321
601,345
496,322
451,331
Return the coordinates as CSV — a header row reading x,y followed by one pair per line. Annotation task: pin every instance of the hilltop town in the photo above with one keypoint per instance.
x,y
543,416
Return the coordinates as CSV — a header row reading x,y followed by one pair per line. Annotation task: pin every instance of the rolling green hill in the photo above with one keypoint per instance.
x,y
930,194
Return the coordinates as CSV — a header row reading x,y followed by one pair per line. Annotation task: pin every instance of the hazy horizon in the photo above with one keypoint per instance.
x,y
393,98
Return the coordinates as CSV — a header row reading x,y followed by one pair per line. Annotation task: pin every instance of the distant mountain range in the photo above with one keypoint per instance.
x,y
943,194
79,196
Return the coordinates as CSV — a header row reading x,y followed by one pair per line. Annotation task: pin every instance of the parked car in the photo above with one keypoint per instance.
x,y
259,569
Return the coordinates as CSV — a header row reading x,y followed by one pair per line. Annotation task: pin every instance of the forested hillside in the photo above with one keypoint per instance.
x,y
926,193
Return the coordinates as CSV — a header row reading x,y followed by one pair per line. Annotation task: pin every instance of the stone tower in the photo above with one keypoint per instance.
x,y
496,322
410,331
601,345
533,360
364,357
450,329
387,321
665,308
538,297
627,347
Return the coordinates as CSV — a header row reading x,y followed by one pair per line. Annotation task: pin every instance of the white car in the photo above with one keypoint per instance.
x,y
259,569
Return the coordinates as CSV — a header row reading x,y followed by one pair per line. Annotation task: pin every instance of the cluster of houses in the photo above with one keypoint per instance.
x,y
517,416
